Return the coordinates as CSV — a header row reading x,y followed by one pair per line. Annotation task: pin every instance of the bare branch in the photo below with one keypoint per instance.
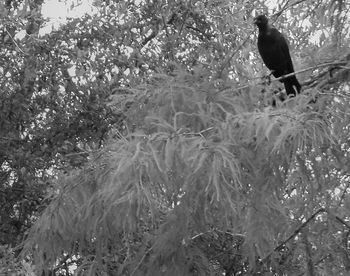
x,y
317,263
300,228
311,68
342,197
295,233
14,42
286,7
342,221
229,58
141,261
294,73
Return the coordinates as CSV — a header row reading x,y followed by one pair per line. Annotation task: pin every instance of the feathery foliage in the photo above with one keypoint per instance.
x,y
196,166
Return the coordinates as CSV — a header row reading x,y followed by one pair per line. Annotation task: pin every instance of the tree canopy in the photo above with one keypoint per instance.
x,y
140,140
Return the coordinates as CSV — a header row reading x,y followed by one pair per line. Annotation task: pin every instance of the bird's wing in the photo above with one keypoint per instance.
x,y
285,50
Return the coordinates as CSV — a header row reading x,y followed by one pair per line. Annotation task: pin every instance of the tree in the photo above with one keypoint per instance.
x,y
202,177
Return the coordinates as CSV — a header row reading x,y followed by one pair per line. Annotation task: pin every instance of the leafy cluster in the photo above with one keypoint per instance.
x,y
202,162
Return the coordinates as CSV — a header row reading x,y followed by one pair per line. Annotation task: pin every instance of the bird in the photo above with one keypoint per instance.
x,y
274,51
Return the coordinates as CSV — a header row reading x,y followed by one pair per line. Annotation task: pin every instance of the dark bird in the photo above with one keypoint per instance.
x,y
273,48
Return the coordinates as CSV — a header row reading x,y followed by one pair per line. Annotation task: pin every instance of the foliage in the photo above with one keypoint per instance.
x,y
141,137
47,120
202,161
9,265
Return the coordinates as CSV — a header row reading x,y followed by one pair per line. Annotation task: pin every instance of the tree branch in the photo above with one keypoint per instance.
x,y
311,68
300,228
296,232
317,263
286,7
141,261
294,73
342,197
14,42
228,59
341,221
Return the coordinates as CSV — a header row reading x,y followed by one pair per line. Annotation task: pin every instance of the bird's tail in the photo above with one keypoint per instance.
x,y
292,86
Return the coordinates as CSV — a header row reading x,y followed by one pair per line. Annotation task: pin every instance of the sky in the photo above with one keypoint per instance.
x,y
57,11
60,10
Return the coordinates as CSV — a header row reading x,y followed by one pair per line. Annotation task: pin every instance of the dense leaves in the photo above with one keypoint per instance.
x,y
139,140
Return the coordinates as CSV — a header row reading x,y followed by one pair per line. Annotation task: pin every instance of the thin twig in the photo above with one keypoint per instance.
x,y
342,197
222,232
200,234
317,263
296,232
342,222
311,68
141,261
14,42
79,153
277,14
198,133
227,61
286,7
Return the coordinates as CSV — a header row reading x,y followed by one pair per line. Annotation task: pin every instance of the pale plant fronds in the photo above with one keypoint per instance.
x,y
199,159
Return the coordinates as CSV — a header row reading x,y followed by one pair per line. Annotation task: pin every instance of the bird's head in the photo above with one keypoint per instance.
x,y
261,20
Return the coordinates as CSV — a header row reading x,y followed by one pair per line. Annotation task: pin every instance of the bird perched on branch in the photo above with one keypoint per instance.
x,y
273,48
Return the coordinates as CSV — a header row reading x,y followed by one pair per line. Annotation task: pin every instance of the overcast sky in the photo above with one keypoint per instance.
x,y
58,12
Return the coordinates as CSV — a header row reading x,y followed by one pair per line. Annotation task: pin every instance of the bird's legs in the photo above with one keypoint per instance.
x,y
267,78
